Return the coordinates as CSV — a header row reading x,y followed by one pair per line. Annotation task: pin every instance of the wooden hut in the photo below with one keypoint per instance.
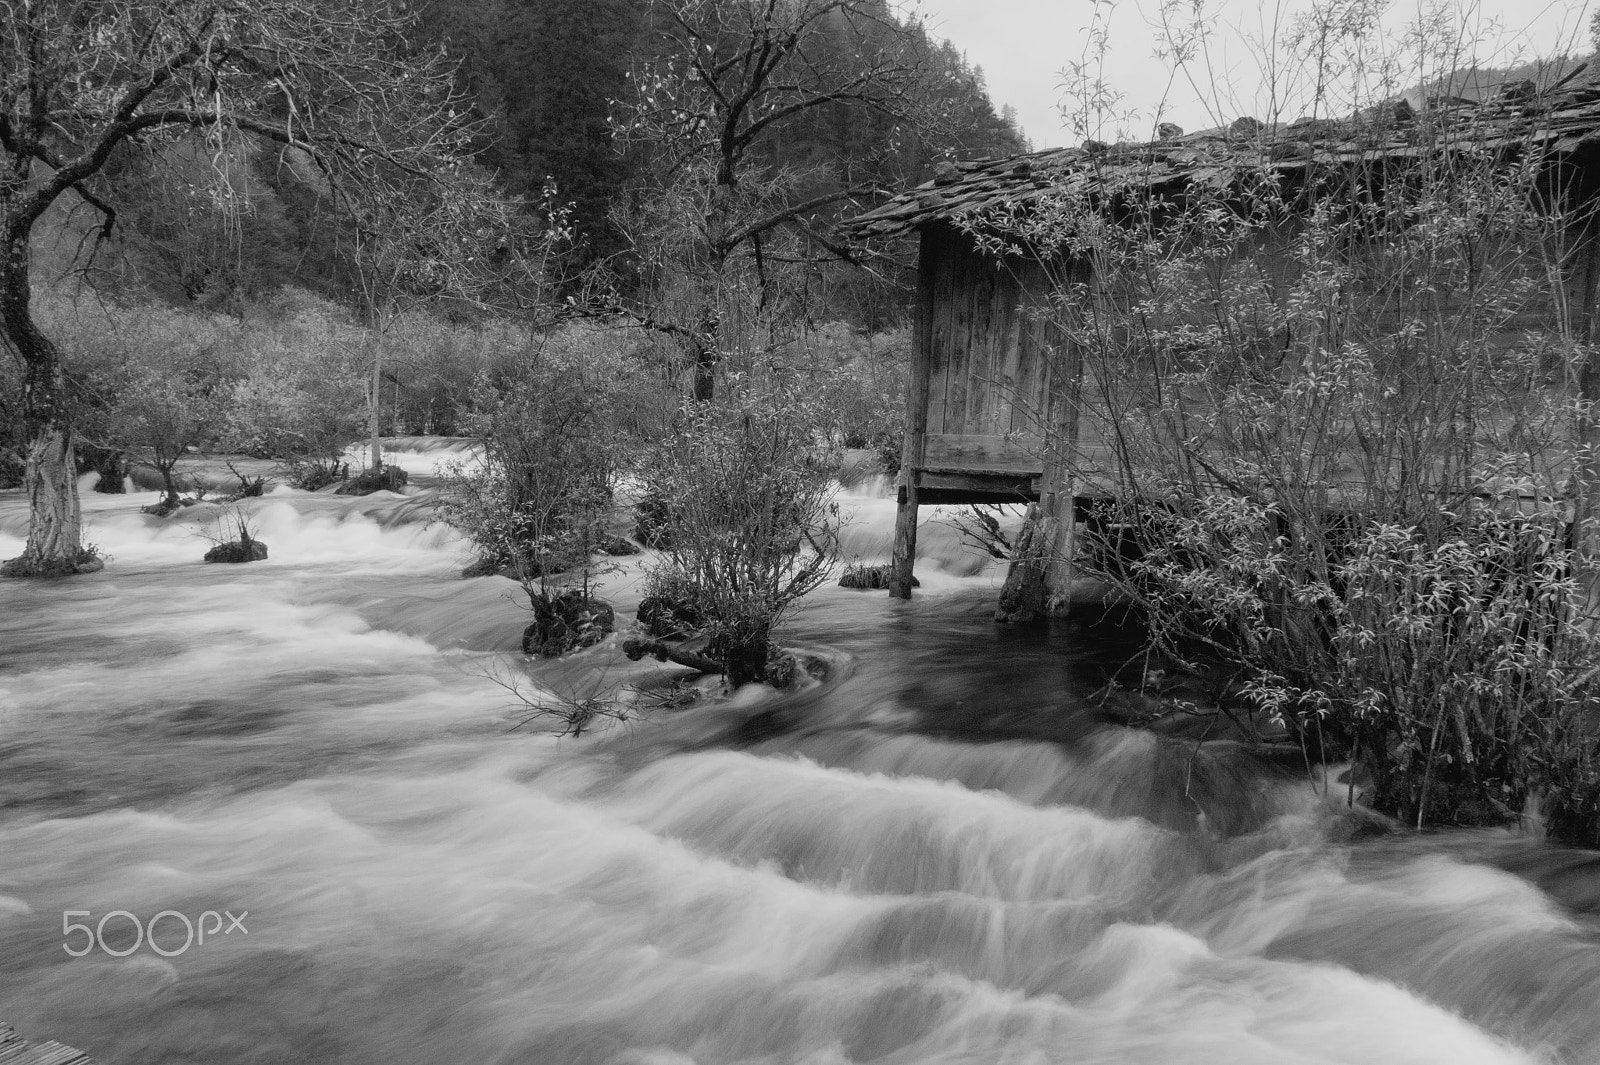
x,y
993,403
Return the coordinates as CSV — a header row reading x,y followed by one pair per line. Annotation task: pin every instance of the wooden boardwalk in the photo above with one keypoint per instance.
x,y
14,1050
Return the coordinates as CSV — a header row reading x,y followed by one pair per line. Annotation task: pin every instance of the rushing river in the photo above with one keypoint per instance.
x,y
945,854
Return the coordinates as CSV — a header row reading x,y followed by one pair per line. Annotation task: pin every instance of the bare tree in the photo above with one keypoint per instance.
x,y
724,223
459,243
334,85
163,411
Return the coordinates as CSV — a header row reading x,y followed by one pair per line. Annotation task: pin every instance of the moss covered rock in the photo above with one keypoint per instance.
x,y
565,623
377,479
238,551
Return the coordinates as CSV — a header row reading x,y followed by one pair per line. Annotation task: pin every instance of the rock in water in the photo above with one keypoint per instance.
x,y
238,551
652,525
668,619
378,479
869,578
618,546
567,622
85,562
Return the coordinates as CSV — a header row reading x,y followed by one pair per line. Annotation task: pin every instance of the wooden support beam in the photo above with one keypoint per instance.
x,y
904,559
1060,533
902,563
983,453
1039,583
1063,453
965,486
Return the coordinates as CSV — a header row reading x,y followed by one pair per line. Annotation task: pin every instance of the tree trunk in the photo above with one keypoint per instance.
x,y
168,485
705,374
375,420
55,525
744,655
109,463
1024,596
55,528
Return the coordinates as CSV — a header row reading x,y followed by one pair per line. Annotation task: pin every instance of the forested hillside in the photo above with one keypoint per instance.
x,y
585,164
551,76
547,80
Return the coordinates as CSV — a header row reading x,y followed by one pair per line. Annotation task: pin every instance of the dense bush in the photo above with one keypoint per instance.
x,y
559,426
161,412
1338,405
859,381
288,377
12,445
745,489
1445,655
11,469
285,381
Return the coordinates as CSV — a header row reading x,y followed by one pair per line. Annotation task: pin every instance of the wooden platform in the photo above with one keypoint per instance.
x,y
14,1050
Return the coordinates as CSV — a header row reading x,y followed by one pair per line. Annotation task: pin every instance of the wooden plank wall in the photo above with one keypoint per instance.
x,y
997,381
988,370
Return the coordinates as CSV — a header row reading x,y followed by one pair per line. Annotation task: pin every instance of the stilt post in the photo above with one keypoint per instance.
x,y
912,451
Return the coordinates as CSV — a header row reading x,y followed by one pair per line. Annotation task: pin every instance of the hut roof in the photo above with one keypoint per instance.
x,y
1562,119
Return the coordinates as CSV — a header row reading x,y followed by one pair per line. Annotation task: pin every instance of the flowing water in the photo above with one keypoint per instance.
x,y
944,854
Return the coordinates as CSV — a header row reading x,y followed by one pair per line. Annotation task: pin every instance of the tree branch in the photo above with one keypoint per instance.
x,y
782,215
637,648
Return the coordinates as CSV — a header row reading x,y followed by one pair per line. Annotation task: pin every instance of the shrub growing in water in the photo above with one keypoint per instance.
x,y
552,450
1341,403
1447,655
746,505
556,433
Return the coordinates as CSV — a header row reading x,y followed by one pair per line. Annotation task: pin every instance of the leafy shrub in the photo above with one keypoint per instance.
x,y
750,524
859,380
301,397
162,411
556,436
1448,655
11,468
310,474
1342,406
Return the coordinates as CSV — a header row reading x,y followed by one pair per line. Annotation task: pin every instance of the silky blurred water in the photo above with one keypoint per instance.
x,y
944,854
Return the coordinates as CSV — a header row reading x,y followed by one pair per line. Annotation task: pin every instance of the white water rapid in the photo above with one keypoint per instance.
x,y
941,856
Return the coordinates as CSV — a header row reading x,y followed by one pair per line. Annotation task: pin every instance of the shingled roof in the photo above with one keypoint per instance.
x,y
1561,119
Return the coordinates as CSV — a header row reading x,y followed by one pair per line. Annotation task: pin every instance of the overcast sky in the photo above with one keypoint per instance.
x,y
1023,45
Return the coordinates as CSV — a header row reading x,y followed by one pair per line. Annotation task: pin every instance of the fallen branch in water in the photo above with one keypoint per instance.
x,y
636,649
